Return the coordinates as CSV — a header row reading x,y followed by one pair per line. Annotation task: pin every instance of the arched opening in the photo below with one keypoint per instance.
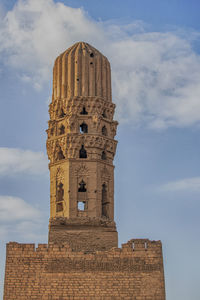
x,y
82,152
133,245
83,128
103,155
60,192
104,115
104,131
105,203
61,114
82,196
82,187
58,153
83,112
59,197
62,129
52,131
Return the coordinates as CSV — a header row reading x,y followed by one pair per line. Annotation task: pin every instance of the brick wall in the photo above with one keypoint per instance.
x,y
54,272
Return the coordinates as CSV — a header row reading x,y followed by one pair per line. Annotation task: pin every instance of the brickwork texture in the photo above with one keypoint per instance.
x,y
134,271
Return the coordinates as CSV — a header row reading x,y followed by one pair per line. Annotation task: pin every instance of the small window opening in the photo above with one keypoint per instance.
x,y
62,114
105,203
60,192
77,79
104,114
59,154
145,245
59,207
83,112
81,205
91,54
103,155
133,245
104,131
91,63
82,152
82,188
83,128
62,129
52,131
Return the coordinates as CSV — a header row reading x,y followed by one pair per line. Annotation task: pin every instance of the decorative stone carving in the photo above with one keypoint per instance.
x,y
70,145
58,154
59,174
72,122
114,128
81,170
96,121
93,106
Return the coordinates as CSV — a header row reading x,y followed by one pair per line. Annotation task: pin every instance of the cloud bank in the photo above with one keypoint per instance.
x,y
19,219
15,209
155,75
186,184
15,161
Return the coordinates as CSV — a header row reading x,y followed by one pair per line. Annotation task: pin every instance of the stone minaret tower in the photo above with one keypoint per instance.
x,y
81,149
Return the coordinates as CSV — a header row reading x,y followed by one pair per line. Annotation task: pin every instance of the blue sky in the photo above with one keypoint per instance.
x,y
154,50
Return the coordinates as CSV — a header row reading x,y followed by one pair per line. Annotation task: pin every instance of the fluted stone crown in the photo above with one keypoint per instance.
x,y
82,71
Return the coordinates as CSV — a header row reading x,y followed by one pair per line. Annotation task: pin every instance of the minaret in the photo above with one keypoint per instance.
x,y
81,149
82,259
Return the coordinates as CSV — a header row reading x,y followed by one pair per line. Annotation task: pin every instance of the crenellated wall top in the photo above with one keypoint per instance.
x,y
130,248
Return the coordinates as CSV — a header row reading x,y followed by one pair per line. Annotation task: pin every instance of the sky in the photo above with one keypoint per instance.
x,y
154,50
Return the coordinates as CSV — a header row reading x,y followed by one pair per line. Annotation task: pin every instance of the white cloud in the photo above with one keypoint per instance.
x,y
14,209
14,161
20,220
157,79
155,75
36,31
187,184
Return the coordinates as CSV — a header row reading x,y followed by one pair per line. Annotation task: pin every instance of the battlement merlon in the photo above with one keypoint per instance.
x,y
132,246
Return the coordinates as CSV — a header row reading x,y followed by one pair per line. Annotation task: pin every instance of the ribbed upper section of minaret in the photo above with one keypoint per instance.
x,y
81,71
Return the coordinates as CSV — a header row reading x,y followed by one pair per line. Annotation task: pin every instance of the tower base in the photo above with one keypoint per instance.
x,y
85,234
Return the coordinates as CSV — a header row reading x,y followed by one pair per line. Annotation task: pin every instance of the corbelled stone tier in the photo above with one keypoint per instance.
x,y
81,70
93,105
69,146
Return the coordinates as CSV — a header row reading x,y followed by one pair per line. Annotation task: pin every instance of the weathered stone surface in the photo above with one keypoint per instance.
x,y
82,259
81,149
87,234
57,272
